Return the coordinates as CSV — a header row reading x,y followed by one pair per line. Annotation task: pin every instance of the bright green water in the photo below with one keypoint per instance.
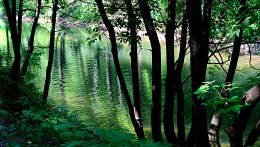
x,y
84,77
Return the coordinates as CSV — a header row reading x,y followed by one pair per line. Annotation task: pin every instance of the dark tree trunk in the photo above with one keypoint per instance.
x,y
198,60
156,70
169,83
112,38
178,81
217,119
235,132
237,44
254,134
132,22
17,56
14,12
19,27
51,52
31,41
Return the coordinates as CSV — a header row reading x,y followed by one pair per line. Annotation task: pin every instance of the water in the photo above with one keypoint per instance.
x,y
84,78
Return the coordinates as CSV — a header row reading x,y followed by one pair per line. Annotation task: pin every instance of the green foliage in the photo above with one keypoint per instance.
x,y
225,21
36,124
253,80
216,95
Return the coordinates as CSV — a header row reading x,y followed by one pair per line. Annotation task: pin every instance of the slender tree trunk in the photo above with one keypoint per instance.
x,y
31,41
156,70
132,22
235,132
178,82
198,60
112,37
17,56
237,44
254,134
19,27
169,83
14,12
216,120
51,52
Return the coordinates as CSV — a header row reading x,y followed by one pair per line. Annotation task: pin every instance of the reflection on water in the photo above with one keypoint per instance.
x,y
84,79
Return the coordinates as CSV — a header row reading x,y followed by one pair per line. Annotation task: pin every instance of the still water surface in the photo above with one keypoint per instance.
x,y
84,78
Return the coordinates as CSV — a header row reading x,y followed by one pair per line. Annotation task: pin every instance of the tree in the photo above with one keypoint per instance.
x,y
156,70
178,81
235,132
112,38
217,119
169,86
254,134
132,23
51,52
11,16
199,38
31,41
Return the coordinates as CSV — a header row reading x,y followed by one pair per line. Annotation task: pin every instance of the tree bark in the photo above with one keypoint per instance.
x,y
156,70
112,38
11,16
169,83
254,134
178,82
235,132
198,60
51,52
19,27
14,12
132,22
31,41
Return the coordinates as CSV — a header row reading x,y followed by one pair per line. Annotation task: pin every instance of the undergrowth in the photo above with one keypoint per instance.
x,y
26,121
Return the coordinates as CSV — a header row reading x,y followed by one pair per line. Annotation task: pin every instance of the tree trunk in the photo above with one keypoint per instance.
x,y
11,16
14,12
254,134
19,27
169,83
112,38
217,119
132,22
156,70
235,132
178,84
51,51
198,60
31,41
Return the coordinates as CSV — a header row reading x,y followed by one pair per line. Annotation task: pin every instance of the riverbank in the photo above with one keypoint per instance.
x,y
35,124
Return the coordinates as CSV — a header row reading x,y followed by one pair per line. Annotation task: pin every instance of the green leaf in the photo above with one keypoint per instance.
x,y
233,97
237,32
247,104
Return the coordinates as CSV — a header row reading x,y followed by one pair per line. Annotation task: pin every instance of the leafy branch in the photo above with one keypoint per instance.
x,y
211,93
